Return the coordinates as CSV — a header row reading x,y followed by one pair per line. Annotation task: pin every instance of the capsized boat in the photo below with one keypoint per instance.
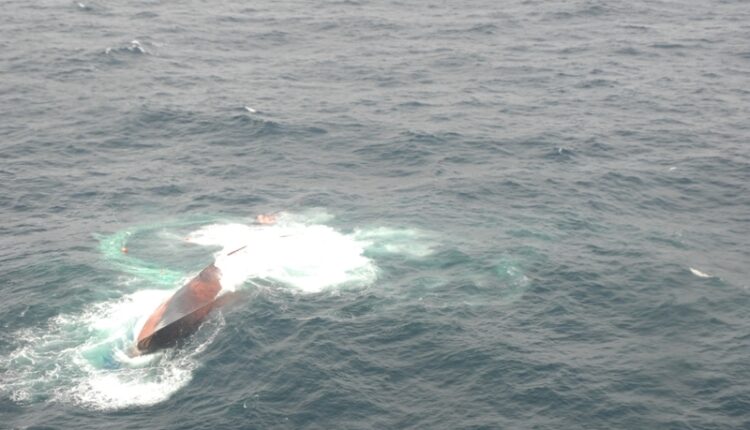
x,y
182,313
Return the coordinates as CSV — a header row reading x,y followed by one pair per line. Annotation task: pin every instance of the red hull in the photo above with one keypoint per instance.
x,y
182,313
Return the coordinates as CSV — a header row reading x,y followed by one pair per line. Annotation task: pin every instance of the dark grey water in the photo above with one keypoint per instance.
x,y
497,215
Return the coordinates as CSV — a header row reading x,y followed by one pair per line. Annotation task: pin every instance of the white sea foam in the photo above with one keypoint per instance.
x,y
387,240
87,358
308,258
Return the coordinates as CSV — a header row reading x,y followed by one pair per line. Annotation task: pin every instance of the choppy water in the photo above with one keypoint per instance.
x,y
495,215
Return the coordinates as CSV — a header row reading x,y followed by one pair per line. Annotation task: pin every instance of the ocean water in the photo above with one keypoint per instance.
x,y
522,214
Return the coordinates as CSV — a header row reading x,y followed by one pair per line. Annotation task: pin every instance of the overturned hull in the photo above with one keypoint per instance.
x,y
182,313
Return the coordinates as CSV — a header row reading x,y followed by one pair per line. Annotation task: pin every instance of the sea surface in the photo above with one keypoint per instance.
x,y
490,215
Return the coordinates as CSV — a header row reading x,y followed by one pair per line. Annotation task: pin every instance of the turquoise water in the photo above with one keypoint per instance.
x,y
532,215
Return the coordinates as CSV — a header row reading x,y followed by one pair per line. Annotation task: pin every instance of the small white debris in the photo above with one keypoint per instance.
x,y
81,5
251,110
672,168
699,274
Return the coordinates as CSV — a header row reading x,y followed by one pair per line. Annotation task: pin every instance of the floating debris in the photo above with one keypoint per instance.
x,y
699,274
